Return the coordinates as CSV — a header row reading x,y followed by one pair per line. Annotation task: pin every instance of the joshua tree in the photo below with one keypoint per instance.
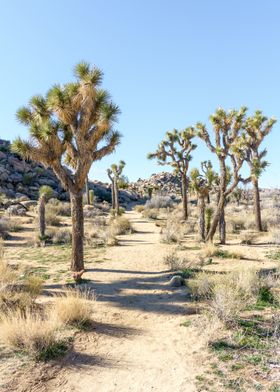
x,y
175,151
257,128
45,193
237,195
74,122
114,174
227,127
210,175
200,186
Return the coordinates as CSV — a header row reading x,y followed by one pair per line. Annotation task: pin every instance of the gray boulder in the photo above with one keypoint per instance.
x,y
176,281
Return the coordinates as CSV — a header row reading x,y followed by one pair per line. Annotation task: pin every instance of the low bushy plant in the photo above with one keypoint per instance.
x,y
73,308
159,202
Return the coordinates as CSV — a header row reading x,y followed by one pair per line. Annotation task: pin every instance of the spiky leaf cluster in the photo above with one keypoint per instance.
x,y
71,126
175,150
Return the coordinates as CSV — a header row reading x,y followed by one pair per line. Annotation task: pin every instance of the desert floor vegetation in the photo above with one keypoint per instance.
x,y
226,304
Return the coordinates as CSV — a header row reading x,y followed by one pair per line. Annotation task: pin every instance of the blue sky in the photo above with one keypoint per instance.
x,y
167,64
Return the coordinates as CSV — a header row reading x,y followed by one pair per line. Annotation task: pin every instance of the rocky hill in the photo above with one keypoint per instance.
x,y
164,183
20,178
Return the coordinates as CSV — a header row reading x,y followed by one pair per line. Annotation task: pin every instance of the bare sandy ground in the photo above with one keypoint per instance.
x,y
137,342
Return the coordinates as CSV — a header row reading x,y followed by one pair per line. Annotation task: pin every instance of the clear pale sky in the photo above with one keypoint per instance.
x,y
167,64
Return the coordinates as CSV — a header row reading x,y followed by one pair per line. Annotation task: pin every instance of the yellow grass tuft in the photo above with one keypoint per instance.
x,y
73,308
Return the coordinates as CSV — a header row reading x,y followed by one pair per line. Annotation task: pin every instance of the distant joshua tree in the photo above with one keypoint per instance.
x,y
257,127
227,127
200,186
175,151
74,121
45,193
114,174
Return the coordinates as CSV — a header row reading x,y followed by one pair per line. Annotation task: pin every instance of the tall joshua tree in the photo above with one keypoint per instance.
x,y
114,174
257,127
73,122
227,127
175,151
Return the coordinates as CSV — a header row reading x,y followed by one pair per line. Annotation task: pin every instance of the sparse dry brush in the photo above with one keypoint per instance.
x,y
173,232
73,308
121,225
29,332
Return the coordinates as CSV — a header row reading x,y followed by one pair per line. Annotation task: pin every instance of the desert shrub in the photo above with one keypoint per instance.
x,y
73,308
5,226
236,224
52,219
30,332
226,303
244,281
96,237
159,202
151,213
120,225
174,262
101,236
248,237
201,286
113,212
33,285
274,236
173,232
59,237
59,208
139,208
210,250
7,274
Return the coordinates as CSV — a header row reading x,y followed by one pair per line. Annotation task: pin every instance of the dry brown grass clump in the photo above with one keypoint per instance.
x,y
248,237
150,213
210,250
174,230
60,236
52,219
228,293
59,208
139,208
29,332
120,225
73,308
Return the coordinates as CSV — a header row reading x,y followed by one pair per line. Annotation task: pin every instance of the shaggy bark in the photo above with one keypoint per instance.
x,y
257,205
185,197
77,262
87,192
222,227
116,194
201,205
42,215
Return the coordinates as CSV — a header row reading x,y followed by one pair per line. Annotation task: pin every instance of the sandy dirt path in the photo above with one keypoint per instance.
x,y
138,343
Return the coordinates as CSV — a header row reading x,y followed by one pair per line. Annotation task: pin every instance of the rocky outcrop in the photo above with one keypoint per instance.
x,y
161,183
20,178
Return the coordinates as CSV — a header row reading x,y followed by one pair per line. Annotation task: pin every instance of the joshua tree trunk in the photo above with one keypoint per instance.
x,y
113,195
222,227
184,197
42,215
208,199
116,193
77,263
201,204
87,192
216,219
257,206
